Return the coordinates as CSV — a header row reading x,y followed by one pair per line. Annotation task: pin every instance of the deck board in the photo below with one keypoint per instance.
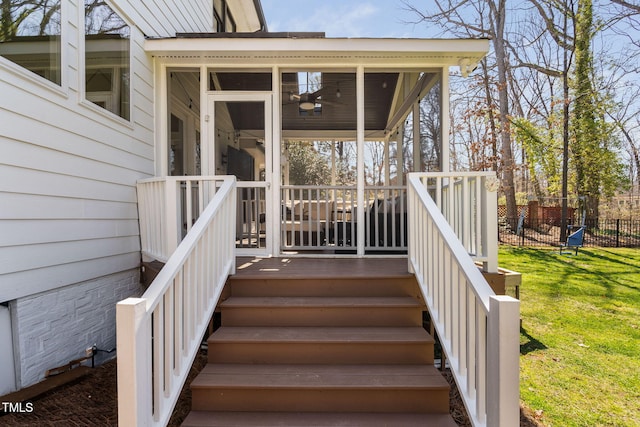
x,y
321,302
323,335
323,376
321,267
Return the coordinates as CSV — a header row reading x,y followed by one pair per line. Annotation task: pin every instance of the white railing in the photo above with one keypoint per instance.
x,y
386,225
470,208
478,330
168,207
252,213
159,334
325,218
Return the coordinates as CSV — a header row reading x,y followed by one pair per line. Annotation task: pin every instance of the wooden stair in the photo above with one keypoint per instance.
x,y
320,352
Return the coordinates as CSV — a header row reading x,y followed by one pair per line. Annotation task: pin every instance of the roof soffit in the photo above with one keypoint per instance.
x,y
318,51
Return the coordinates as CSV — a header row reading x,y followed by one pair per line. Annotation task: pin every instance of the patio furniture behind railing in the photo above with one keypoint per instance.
x,y
325,218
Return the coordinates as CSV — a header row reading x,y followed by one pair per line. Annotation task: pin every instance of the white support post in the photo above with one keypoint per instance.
x,y
387,162
400,134
360,162
162,125
334,172
134,363
490,226
171,208
207,152
503,345
412,226
276,168
417,137
231,204
445,120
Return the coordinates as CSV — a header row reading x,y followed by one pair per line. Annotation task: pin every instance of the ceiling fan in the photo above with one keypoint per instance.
x,y
306,101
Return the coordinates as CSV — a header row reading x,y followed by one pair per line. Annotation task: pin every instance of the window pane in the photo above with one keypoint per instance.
x,y
30,36
238,81
107,58
176,149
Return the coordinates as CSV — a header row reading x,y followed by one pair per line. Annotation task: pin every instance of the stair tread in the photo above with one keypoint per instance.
x,y
294,302
301,334
320,352
319,376
346,419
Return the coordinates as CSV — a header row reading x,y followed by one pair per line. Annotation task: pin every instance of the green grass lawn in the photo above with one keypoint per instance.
x,y
580,336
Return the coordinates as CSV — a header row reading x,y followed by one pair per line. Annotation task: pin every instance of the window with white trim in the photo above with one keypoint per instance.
x,y
107,58
30,36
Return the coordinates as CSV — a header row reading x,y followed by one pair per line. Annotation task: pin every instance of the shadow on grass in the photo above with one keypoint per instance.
x,y
570,269
612,257
593,263
531,345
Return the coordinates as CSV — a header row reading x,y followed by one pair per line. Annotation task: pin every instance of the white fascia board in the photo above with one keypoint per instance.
x,y
319,51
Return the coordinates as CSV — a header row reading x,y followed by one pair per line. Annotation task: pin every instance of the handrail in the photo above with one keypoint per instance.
x,y
468,200
159,334
478,331
167,210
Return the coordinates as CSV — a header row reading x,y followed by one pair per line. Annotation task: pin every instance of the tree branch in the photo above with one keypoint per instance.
x,y
627,4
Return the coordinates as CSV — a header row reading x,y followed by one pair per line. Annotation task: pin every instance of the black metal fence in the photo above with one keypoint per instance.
x,y
602,233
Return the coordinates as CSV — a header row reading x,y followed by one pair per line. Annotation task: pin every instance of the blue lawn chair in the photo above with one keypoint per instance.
x,y
574,241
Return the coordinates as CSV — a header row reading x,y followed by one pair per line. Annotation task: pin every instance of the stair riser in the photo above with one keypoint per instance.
x,y
324,287
316,419
314,353
304,400
322,316
322,347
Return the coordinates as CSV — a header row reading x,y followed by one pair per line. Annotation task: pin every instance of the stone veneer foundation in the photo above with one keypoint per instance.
x,y
52,328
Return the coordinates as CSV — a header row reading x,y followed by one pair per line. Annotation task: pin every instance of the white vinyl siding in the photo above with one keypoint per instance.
x,y
68,206
159,18
68,170
69,233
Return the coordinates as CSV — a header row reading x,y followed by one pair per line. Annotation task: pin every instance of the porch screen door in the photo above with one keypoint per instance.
x,y
240,127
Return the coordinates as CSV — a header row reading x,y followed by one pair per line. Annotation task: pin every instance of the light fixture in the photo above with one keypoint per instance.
x,y
338,94
307,105
307,101
466,67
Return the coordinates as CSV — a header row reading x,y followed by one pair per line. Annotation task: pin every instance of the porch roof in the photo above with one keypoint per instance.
x,y
313,50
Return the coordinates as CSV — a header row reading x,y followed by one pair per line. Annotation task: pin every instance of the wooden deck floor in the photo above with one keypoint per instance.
x,y
321,267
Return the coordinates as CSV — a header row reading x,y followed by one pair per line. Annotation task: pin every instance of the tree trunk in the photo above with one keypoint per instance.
x,y
499,46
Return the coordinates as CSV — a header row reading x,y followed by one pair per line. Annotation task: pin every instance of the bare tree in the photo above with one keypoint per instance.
x,y
484,18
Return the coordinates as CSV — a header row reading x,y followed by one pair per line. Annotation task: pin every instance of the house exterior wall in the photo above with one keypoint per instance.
x,y
69,237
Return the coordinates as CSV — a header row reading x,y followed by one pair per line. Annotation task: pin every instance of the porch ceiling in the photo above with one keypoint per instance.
x,y
243,61
337,114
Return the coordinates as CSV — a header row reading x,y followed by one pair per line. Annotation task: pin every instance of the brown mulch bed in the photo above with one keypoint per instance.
x,y
92,401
